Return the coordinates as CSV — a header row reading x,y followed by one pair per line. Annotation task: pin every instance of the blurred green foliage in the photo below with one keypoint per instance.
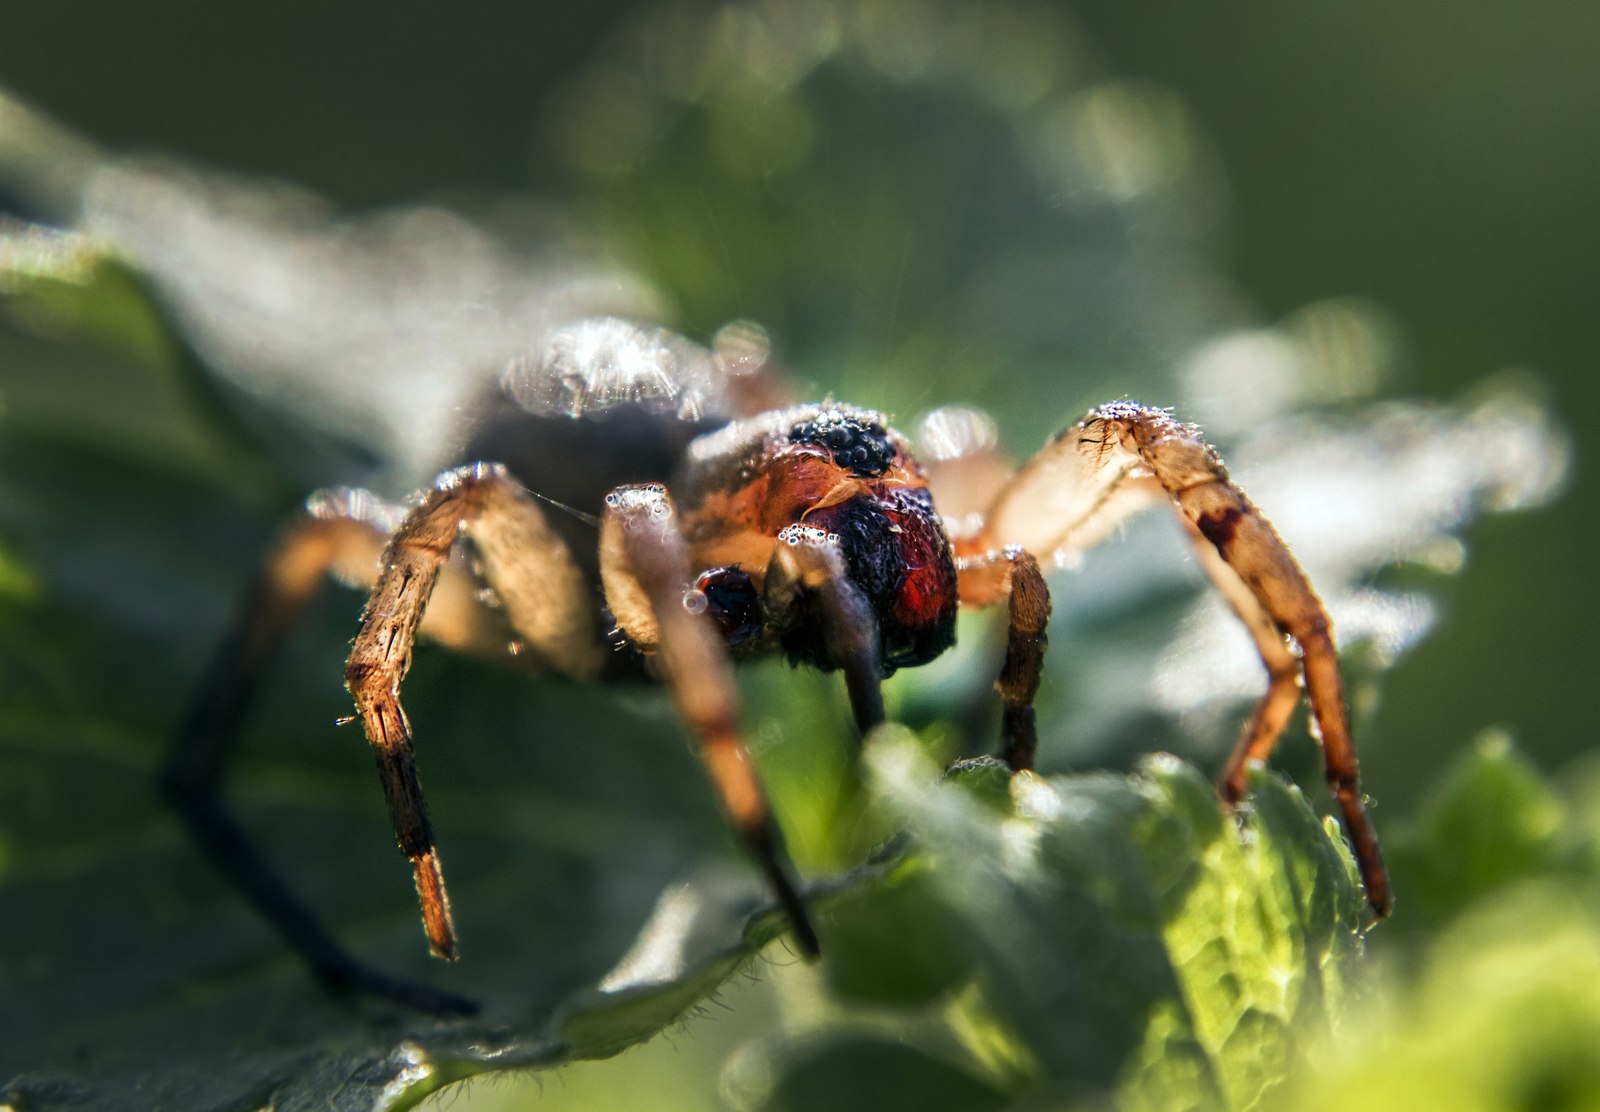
x,y
1442,159
1488,999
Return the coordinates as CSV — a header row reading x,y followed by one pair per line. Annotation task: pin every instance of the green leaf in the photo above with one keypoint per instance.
x,y
871,1074
134,384
64,282
1502,1018
1132,938
1497,1010
1491,822
898,942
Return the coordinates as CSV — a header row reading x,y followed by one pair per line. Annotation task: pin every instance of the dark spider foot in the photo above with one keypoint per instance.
x,y
794,907
765,844
361,981
805,935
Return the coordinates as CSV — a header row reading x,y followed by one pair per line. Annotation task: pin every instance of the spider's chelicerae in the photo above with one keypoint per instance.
x,y
631,489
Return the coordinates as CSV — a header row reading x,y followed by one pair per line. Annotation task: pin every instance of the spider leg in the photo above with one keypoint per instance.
x,y
1013,573
1266,725
1272,595
807,571
332,539
1124,456
958,448
537,582
1028,608
645,570
755,382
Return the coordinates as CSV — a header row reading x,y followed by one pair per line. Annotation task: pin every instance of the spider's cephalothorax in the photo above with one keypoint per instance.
x,y
839,476
897,555
727,528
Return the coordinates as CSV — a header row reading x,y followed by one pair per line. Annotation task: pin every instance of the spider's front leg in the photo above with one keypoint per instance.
x,y
543,595
1125,456
646,574
343,535
1260,579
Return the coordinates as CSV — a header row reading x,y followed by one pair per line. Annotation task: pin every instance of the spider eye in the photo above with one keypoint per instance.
x,y
856,441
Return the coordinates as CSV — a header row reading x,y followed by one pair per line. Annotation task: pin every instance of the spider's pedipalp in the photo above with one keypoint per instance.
x,y
644,559
809,594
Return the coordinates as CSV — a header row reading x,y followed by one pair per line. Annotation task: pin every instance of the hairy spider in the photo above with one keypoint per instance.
x,y
723,527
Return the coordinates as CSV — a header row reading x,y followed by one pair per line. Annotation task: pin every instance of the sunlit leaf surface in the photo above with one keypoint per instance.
x,y
1129,937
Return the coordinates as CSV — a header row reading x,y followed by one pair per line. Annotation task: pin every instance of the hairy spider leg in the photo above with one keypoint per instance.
x,y
1028,610
645,571
292,574
1272,714
542,591
808,570
1277,602
1124,456
1013,574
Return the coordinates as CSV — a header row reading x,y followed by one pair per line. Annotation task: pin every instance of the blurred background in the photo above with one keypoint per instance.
x,y
1439,161
1431,169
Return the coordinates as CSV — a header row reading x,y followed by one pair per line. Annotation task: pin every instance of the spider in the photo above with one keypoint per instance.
x,y
639,505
